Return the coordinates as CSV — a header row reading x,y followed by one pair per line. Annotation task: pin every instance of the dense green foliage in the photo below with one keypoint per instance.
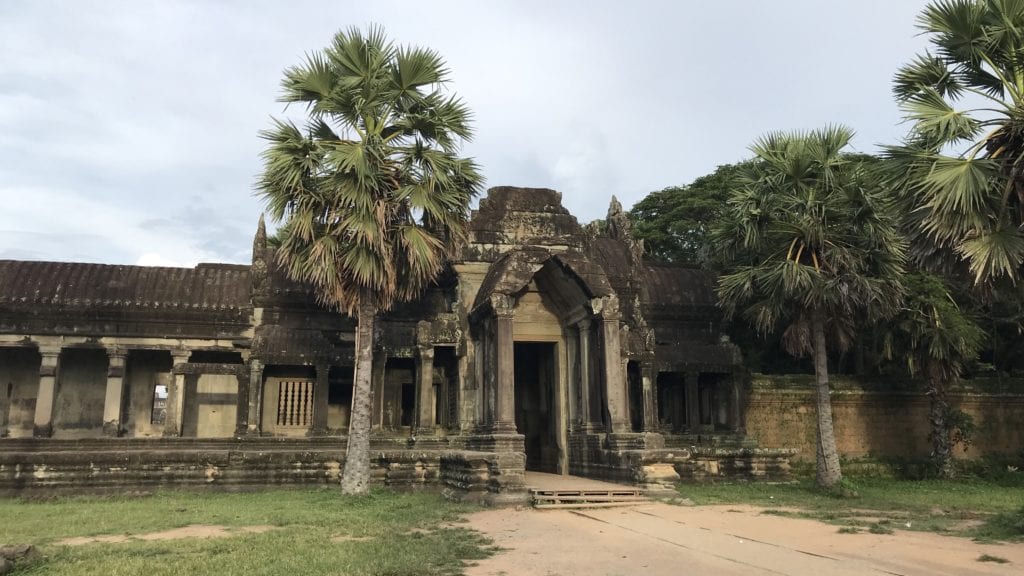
x,y
675,222
961,171
809,248
935,339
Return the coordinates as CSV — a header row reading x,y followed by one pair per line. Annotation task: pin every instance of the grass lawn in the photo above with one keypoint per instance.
x,y
982,509
316,531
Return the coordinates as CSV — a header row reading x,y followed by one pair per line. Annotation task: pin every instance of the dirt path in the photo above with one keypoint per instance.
x,y
659,539
201,531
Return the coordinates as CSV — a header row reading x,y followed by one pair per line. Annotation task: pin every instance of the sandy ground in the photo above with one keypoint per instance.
x,y
190,531
671,540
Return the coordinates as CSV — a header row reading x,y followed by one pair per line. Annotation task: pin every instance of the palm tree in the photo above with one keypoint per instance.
x,y
936,338
371,190
962,170
813,250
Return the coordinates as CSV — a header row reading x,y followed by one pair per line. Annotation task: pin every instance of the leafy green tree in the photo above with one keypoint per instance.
x,y
962,170
371,190
675,222
814,250
935,338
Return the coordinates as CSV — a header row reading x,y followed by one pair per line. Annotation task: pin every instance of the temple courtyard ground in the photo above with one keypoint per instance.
x,y
662,539
890,527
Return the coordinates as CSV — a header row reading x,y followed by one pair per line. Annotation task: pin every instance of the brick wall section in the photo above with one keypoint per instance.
x,y
881,420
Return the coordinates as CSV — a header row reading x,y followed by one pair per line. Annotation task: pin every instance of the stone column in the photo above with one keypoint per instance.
x,y
255,421
504,398
648,379
586,374
572,355
628,401
735,403
615,390
321,392
112,403
46,397
242,413
377,372
692,401
176,394
424,391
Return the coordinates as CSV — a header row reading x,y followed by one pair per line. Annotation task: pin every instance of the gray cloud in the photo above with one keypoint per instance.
x,y
128,129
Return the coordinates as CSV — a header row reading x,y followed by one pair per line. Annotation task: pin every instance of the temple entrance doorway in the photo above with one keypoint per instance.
x,y
535,395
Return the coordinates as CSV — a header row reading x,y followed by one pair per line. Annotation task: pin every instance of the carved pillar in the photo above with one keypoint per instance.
x,y
692,401
424,391
321,392
255,422
615,389
504,398
112,403
628,402
176,394
380,363
571,371
586,374
46,397
648,378
242,412
735,403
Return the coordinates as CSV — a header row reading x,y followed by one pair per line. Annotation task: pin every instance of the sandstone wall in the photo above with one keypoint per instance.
x,y
81,390
881,420
19,380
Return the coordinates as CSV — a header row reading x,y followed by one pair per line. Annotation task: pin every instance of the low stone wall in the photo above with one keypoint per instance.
x,y
486,478
490,474
882,419
41,466
658,462
751,464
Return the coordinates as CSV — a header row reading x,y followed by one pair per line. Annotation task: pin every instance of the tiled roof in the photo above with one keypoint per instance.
x,y
671,285
74,285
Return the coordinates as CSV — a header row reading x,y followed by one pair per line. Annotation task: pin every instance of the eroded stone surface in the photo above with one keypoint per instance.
x,y
544,344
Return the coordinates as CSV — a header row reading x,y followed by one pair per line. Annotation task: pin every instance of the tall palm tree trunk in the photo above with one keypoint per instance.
x,y
938,417
356,477
828,474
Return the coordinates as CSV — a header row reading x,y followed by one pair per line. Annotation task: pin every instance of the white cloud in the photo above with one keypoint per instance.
x,y
115,114
154,259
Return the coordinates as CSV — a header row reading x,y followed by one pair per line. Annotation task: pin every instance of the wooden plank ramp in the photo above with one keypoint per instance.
x,y
552,491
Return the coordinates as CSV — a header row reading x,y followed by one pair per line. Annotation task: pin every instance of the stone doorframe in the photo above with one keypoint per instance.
x,y
584,303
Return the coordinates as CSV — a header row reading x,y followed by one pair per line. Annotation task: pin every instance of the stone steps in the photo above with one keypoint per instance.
x,y
589,498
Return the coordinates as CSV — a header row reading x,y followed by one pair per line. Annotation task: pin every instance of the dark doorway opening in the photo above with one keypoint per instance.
x,y
535,404
339,397
671,413
408,404
446,387
635,387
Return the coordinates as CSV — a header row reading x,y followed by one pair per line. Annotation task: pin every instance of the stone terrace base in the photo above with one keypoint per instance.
x,y
35,467
488,472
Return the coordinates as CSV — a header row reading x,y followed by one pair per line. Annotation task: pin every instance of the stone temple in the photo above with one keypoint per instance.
x,y
546,345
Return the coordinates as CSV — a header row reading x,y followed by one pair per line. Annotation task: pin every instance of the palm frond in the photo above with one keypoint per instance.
x,y
993,254
935,120
926,71
373,194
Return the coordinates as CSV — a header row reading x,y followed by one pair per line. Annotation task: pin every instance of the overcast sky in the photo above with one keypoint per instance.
x,y
128,130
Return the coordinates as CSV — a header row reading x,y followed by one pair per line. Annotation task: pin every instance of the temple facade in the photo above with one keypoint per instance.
x,y
545,345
